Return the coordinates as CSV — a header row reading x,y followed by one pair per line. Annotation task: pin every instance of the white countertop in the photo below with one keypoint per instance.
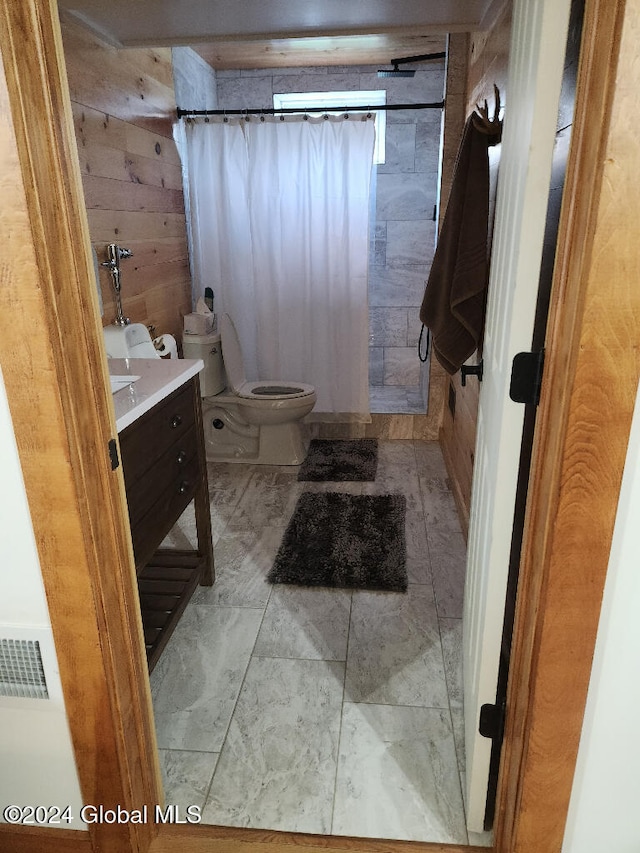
x,y
159,377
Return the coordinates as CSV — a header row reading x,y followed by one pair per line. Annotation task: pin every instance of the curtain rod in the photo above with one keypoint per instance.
x,y
269,111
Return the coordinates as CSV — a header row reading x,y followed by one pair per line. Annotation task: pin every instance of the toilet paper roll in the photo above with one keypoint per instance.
x,y
166,346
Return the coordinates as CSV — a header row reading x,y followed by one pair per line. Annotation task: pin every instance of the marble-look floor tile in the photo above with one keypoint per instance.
x,y
394,640
228,477
196,682
264,505
223,505
397,469
451,637
395,656
432,470
396,458
277,768
448,552
305,623
242,561
227,483
457,720
397,776
186,776
448,566
418,557
183,535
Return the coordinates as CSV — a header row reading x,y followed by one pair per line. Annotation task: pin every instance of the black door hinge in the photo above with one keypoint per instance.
x,y
113,454
526,377
491,723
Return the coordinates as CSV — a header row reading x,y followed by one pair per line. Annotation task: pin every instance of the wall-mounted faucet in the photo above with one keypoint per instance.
x,y
116,254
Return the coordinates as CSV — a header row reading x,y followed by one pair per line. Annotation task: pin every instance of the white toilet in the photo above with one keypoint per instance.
x,y
247,421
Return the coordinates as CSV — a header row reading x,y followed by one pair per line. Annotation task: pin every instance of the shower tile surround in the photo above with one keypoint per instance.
x,y
402,227
254,668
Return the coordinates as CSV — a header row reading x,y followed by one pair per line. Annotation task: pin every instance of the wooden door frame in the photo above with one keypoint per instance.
x,y
52,359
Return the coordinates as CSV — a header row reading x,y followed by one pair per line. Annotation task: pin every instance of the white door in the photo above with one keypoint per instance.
x,y
536,61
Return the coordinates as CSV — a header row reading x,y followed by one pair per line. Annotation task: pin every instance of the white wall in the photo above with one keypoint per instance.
x,y
603,814
37,766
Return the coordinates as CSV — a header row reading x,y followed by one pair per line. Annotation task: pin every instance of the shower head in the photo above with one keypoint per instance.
x,y
400,72
396,72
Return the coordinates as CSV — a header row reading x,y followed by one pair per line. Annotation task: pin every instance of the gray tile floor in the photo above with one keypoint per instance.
x,y
320,710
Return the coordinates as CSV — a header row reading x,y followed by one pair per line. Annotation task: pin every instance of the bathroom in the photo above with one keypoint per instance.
x,y
134,197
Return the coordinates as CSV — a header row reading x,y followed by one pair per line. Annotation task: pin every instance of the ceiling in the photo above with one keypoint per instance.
x,y
274,33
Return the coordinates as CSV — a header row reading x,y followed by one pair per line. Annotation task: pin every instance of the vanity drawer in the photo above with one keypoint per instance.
x,y
150,437
150,528
167,471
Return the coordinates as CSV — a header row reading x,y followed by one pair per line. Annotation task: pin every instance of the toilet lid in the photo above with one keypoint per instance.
x,y
234,367
232,354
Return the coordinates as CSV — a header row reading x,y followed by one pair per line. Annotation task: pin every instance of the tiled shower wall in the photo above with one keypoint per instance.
x,y
403,228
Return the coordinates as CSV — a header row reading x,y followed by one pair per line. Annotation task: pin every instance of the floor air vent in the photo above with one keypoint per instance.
x,y
21,670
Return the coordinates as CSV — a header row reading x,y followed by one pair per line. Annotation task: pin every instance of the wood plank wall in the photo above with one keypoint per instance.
x,y
488,64
123,106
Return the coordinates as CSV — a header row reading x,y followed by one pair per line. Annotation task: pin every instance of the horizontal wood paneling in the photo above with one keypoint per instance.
x,y
106,194
102,161
126,226
144,75
123,107
94,126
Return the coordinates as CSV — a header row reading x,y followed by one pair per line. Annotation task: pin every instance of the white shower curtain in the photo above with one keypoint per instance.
x,y
279,223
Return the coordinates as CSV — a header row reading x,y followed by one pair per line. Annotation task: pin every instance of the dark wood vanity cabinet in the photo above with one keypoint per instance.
x,y
164,463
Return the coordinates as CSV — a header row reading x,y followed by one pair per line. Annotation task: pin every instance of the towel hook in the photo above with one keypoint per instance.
x,y
471,370
492,127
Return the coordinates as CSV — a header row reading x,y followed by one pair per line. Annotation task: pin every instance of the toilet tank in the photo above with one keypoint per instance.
x,y
206,347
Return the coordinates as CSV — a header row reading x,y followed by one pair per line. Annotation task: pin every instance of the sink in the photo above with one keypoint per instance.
x,y
132,341
119,382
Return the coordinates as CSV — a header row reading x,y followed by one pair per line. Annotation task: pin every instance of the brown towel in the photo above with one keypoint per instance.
x,y
453,306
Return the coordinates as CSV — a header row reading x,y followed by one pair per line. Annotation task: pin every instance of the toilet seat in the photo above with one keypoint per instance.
x,y
264,391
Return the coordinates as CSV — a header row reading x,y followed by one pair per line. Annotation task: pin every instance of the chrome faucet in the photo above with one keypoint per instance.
x,y
116,254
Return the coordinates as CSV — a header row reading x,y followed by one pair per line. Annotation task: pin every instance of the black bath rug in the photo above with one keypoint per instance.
x,y
340,461
352,541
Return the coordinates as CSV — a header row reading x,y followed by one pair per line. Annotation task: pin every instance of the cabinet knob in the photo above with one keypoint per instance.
x,y
176,420
183,487
181,457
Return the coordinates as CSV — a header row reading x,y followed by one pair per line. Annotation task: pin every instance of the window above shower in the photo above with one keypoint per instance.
x,y
332,101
